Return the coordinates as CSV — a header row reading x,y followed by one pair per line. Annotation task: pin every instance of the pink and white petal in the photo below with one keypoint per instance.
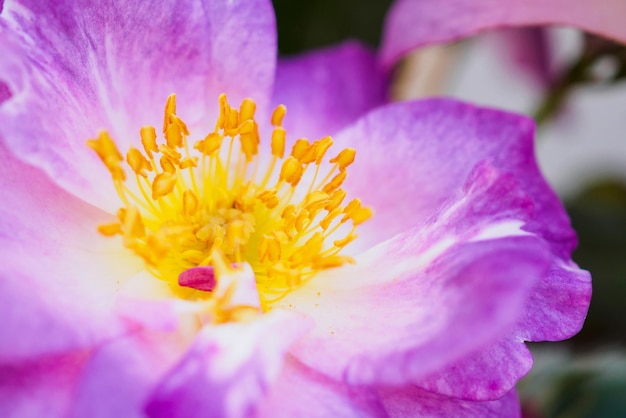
x,y
120,375
58,275
416,325
76,70
416,402
430,296
228,369
41,387
301,391
414,23
327,89
414,156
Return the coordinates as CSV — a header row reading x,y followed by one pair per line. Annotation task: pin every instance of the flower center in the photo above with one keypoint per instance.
x,y
217,203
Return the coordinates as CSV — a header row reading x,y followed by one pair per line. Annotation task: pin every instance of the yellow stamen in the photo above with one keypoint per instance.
x,y
206,210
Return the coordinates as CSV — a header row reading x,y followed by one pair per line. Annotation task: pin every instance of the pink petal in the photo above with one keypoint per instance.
x,y
57,277
413,156
300,391
484,375
414,23
327,89
119,376
40,388
75,70
416,402
430,296
228,370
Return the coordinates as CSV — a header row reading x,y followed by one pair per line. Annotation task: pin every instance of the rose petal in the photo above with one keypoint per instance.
x,y
228,369
416,402
485,375
388,319
57,277
40,388
327,89
414,23
413,156
117,379
75,70
300,389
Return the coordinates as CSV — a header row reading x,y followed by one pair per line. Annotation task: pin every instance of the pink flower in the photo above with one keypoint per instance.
x,y
466,257
414,23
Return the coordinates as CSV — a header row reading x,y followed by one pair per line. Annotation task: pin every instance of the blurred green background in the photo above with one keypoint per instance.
x,y
582,377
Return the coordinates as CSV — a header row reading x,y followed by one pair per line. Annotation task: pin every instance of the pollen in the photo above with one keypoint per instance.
x,y
224,199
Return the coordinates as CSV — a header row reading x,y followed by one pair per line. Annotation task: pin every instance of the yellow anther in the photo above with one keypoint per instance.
x,y
302,220
335,182
148,140
278,115
189,162
345,241
344,158
328,219
315,201
289,212
110,229
210,144
171,153
335,199
138,162
133,227
321,148
291,171
361,215
167,165
270,198
350,209
278,142
190,203
299,148
247,109
170,109
332,261
231,122
249,145
310,154
269,249
223,102
106,149
174,136
163,184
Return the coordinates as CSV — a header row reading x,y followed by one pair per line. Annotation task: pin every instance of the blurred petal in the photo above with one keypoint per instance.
x,y
119,376
75,70
528,50
58,280
300,388
327,89
228,369
414,23
40,388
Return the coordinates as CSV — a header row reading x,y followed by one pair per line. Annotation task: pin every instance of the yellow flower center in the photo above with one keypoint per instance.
x,y
215,204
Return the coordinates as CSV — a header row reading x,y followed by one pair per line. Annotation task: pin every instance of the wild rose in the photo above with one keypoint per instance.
x,y
220,287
